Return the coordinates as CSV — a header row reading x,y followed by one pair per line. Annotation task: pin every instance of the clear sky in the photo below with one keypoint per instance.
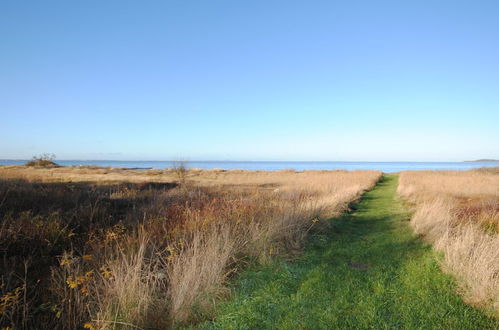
x,y
250,80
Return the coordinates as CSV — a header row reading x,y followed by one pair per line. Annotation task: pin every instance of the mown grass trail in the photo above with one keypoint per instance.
x,y
368,271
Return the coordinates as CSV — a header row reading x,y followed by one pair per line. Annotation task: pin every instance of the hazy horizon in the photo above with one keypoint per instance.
x,y
483,160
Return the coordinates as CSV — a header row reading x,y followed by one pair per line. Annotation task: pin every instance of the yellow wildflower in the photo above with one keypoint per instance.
x,y
80,279
89,326
106,272
172,252
71,282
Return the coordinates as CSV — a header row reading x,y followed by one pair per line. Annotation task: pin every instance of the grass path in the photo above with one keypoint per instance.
x,y
368,271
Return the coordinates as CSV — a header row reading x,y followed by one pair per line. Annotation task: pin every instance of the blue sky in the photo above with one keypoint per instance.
x,y
250,80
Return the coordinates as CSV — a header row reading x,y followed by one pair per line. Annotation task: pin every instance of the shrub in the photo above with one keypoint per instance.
x,y
43,160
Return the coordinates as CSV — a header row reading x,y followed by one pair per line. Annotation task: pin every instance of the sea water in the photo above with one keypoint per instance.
x,y
276,165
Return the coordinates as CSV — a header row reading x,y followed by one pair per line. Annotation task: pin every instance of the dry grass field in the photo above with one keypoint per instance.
x,y
458,213
105,248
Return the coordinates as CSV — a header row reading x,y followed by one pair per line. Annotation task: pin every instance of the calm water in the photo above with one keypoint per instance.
x,y
274,166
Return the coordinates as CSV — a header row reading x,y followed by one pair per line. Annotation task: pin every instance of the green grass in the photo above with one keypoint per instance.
x,y
367,271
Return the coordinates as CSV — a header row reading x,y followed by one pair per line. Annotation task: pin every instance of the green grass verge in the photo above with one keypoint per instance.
x,y
367,272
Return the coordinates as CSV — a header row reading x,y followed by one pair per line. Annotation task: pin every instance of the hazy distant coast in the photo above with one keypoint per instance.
x,y
482,161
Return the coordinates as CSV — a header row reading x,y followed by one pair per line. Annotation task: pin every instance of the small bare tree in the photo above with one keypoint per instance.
x,y
180,169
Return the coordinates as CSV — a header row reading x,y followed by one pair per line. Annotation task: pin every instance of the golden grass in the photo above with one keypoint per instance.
x,y
197,273
132,288
128,248
458,213
84,174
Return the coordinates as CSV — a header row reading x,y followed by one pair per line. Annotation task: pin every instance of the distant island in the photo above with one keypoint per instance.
x,y
482,161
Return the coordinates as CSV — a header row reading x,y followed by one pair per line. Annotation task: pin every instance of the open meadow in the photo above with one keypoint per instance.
x,y
110,248
118,248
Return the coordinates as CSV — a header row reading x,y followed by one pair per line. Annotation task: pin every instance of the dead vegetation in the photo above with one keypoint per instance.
x,y
458,213
116,248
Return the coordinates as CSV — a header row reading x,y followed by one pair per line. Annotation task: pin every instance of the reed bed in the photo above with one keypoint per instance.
x,y
113,248
458,213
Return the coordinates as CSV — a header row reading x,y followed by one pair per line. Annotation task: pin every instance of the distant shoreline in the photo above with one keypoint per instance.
x,y
266,161
482,161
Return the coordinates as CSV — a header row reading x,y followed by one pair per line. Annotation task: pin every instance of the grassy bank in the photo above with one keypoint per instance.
x,y
458,213
367,271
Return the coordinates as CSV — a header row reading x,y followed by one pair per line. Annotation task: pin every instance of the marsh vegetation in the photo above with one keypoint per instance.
x,y
121,248
458,213
107,248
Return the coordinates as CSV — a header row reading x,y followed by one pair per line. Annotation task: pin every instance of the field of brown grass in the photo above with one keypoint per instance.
x,y
106,248
458,213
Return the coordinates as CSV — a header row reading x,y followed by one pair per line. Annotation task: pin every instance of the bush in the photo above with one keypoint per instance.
x,y
43,160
